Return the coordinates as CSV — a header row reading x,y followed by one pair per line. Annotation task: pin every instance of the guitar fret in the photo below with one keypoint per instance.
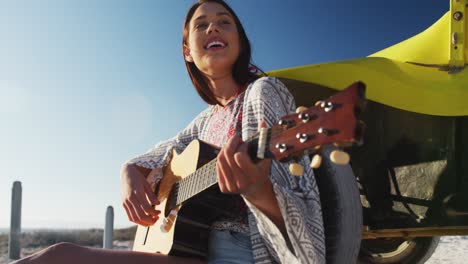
x,y
213,178
201,181
180,190
190,185
196,182
176,191
204,182
209,175
185,186
181,193
207,178
193,185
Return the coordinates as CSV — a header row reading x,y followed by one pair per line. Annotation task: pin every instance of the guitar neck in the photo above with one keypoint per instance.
x,y
200,180
205,176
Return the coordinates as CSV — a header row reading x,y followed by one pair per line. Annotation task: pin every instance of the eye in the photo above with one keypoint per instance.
x,y
201,25
225,22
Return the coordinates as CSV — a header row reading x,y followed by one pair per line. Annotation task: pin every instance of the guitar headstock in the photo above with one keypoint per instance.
x,y
331,121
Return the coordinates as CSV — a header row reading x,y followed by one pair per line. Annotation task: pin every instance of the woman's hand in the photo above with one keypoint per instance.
x,y
238,174
137,196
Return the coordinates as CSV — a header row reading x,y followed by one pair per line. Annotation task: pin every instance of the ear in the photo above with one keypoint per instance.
x,y
187,55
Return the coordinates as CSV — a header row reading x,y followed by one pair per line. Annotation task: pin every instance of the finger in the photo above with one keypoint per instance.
x,y
242,159
224,174
150,217
243,178
134,217
129,212
245,163
219,173
236,174
146,200
253,173
231,147
152,199
139,214
146,220
264,164
242,163
236,177
148,209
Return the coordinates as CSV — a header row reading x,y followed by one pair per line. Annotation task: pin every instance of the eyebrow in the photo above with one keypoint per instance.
x,y
218,14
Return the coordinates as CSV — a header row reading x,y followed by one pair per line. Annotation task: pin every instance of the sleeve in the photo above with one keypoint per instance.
x,y
298,198
159,155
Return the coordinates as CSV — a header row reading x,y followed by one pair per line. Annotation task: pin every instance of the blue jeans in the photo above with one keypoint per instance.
x,y
229,247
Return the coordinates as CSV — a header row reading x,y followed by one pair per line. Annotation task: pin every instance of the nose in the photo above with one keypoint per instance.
x,y
213,26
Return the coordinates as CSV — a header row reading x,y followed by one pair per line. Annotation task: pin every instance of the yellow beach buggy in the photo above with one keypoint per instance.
x,y
407,184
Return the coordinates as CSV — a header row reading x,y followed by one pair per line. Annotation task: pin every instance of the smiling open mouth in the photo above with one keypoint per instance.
x,y
215,45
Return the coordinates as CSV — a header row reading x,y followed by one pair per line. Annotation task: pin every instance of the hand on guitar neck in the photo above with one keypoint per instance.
x,y
237,173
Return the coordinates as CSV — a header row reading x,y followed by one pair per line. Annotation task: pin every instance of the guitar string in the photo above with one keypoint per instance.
x,y
190,187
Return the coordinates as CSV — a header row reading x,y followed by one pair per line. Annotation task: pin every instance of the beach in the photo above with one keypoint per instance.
x,y
451,250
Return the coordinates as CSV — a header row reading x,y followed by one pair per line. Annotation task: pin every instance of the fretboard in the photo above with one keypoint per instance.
x,y
200,180
205,176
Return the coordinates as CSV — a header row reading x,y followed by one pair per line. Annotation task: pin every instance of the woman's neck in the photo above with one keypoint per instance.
x,y
224,88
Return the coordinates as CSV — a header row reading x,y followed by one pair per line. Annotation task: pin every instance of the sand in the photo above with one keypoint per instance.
x,y
451,250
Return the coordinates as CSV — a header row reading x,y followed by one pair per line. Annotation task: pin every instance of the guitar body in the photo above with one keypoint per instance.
x,y
183,231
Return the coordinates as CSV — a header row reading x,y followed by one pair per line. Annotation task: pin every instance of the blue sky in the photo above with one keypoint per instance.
x,y
86,85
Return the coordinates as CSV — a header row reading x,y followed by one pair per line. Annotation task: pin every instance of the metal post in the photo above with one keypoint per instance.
x,y
14,247
109,228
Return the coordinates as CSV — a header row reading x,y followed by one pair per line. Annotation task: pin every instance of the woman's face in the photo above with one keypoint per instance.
x,y
213,40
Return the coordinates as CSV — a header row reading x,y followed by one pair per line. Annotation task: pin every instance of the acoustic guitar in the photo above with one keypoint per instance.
x,y
189,196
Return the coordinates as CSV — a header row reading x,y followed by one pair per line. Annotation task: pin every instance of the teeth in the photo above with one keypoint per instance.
x,y
211,44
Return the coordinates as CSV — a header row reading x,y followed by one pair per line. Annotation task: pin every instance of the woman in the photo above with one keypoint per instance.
x,y
279,217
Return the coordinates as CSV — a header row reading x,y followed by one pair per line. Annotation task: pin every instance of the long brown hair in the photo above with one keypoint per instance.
x,y
242,70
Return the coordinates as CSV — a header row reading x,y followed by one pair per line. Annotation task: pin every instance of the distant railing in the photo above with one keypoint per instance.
x,y
14,242
14,245
108,228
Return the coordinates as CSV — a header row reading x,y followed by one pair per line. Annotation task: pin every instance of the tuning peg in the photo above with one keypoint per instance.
x,y
301,109
296,169
339,157
318,103
316,161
